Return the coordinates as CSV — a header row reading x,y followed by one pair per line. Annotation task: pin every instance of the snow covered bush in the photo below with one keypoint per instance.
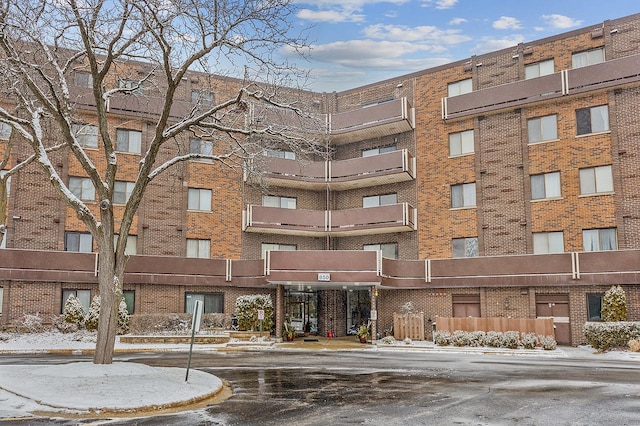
x,y
123,318
475,338
607,335
91,320
492,339
61,324
247,312
73,312
529,340
388,340
460,338
407,341
548,343
442,338
614,305
510,339
31,323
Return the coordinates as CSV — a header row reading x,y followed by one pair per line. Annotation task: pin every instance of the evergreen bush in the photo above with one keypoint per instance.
x,y
529,340
607,335
91,320
73,311
247,312
614,305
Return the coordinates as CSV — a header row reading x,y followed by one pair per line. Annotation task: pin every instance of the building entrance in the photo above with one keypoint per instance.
x,y
358,308
301,310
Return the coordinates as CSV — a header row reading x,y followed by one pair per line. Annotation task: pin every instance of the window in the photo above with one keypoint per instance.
x,y
543,128
594,306
78,241
465,247
276,247
590,57
5,131
378,150
135,86
539,69
592,120
198,248
83,79
84,296
276,153
86,134
596,180
200,146
277,201
199,199
545,185
212,302
463,195
82,188
132,244
461,143
548,242
379,200
203,97
460,87
122,192
128,141
599,239
388,250
129,300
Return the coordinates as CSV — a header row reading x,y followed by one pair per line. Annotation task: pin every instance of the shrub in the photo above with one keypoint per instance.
x,y
388,340
123,318
607,335
91,320
247,312
459,338
442,338
492,339
63,326
407,341
510,339
529,340
548,343
32,323
614,305
73,312
476,338
634,345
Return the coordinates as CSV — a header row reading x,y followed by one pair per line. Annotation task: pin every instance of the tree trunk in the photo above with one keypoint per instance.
x,y
110,295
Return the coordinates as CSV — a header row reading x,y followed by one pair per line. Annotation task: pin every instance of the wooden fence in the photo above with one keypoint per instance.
x,y
408,325
542,327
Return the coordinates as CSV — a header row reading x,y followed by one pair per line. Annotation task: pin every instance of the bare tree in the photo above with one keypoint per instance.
x,y
137,55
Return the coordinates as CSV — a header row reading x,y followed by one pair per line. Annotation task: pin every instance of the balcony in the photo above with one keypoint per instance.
x,y
382,169
614,73
315,223
384,119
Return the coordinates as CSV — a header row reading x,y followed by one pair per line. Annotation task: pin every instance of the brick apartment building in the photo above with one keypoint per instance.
x,y
503,185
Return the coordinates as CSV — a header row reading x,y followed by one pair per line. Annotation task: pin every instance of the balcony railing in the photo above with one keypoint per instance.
x,y
361,172
612,73
365,221
384,119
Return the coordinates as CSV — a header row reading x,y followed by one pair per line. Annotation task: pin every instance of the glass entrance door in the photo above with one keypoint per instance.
x,y
302,310
358,309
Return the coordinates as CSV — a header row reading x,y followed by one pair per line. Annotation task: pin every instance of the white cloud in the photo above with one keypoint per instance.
x,y
488,44
457,21
561,21
440,4
507,23
330,15
424,33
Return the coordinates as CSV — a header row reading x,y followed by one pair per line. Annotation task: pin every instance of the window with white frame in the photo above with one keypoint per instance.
x,y
131,247
199,199
129,141
596,180
548,242
379,150
546,185
203,97
278,201
460,87
122,191
212,303
83,79
589,57
198,248
379,200
84,296
275,247
599,239
129,297
5,131
592,120
461,143
539,69
465,247
463,195
278,153
82,188
78,242
86,134
387,250
201,146
542,129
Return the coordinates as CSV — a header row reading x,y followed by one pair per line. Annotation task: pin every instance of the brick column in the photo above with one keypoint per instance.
x,y
279,311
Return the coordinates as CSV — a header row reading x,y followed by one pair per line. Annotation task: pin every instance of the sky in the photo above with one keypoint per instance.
x,y
357,42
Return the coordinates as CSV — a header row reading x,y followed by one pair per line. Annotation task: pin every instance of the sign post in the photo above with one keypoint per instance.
x,y
195,326
261,318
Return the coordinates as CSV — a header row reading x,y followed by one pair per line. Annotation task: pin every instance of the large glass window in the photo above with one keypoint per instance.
x,y
201,146
599,239
388,250
276,247
465,247
592,120
596,180
378,150
278,201
203,97
83,79
539,69
128,141
463,195
277,153
5,131
212,302
379,200
594,306
589,57
78,241
545,185
131,247
199,199
86,134
198,248
460,87
461,143
84,296
82,188
548,242
543,128
129,299
122,191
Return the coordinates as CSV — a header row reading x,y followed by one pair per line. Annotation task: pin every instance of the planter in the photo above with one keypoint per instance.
x,y
363,339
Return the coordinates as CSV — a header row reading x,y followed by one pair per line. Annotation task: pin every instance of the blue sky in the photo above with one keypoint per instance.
x,y
356,42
